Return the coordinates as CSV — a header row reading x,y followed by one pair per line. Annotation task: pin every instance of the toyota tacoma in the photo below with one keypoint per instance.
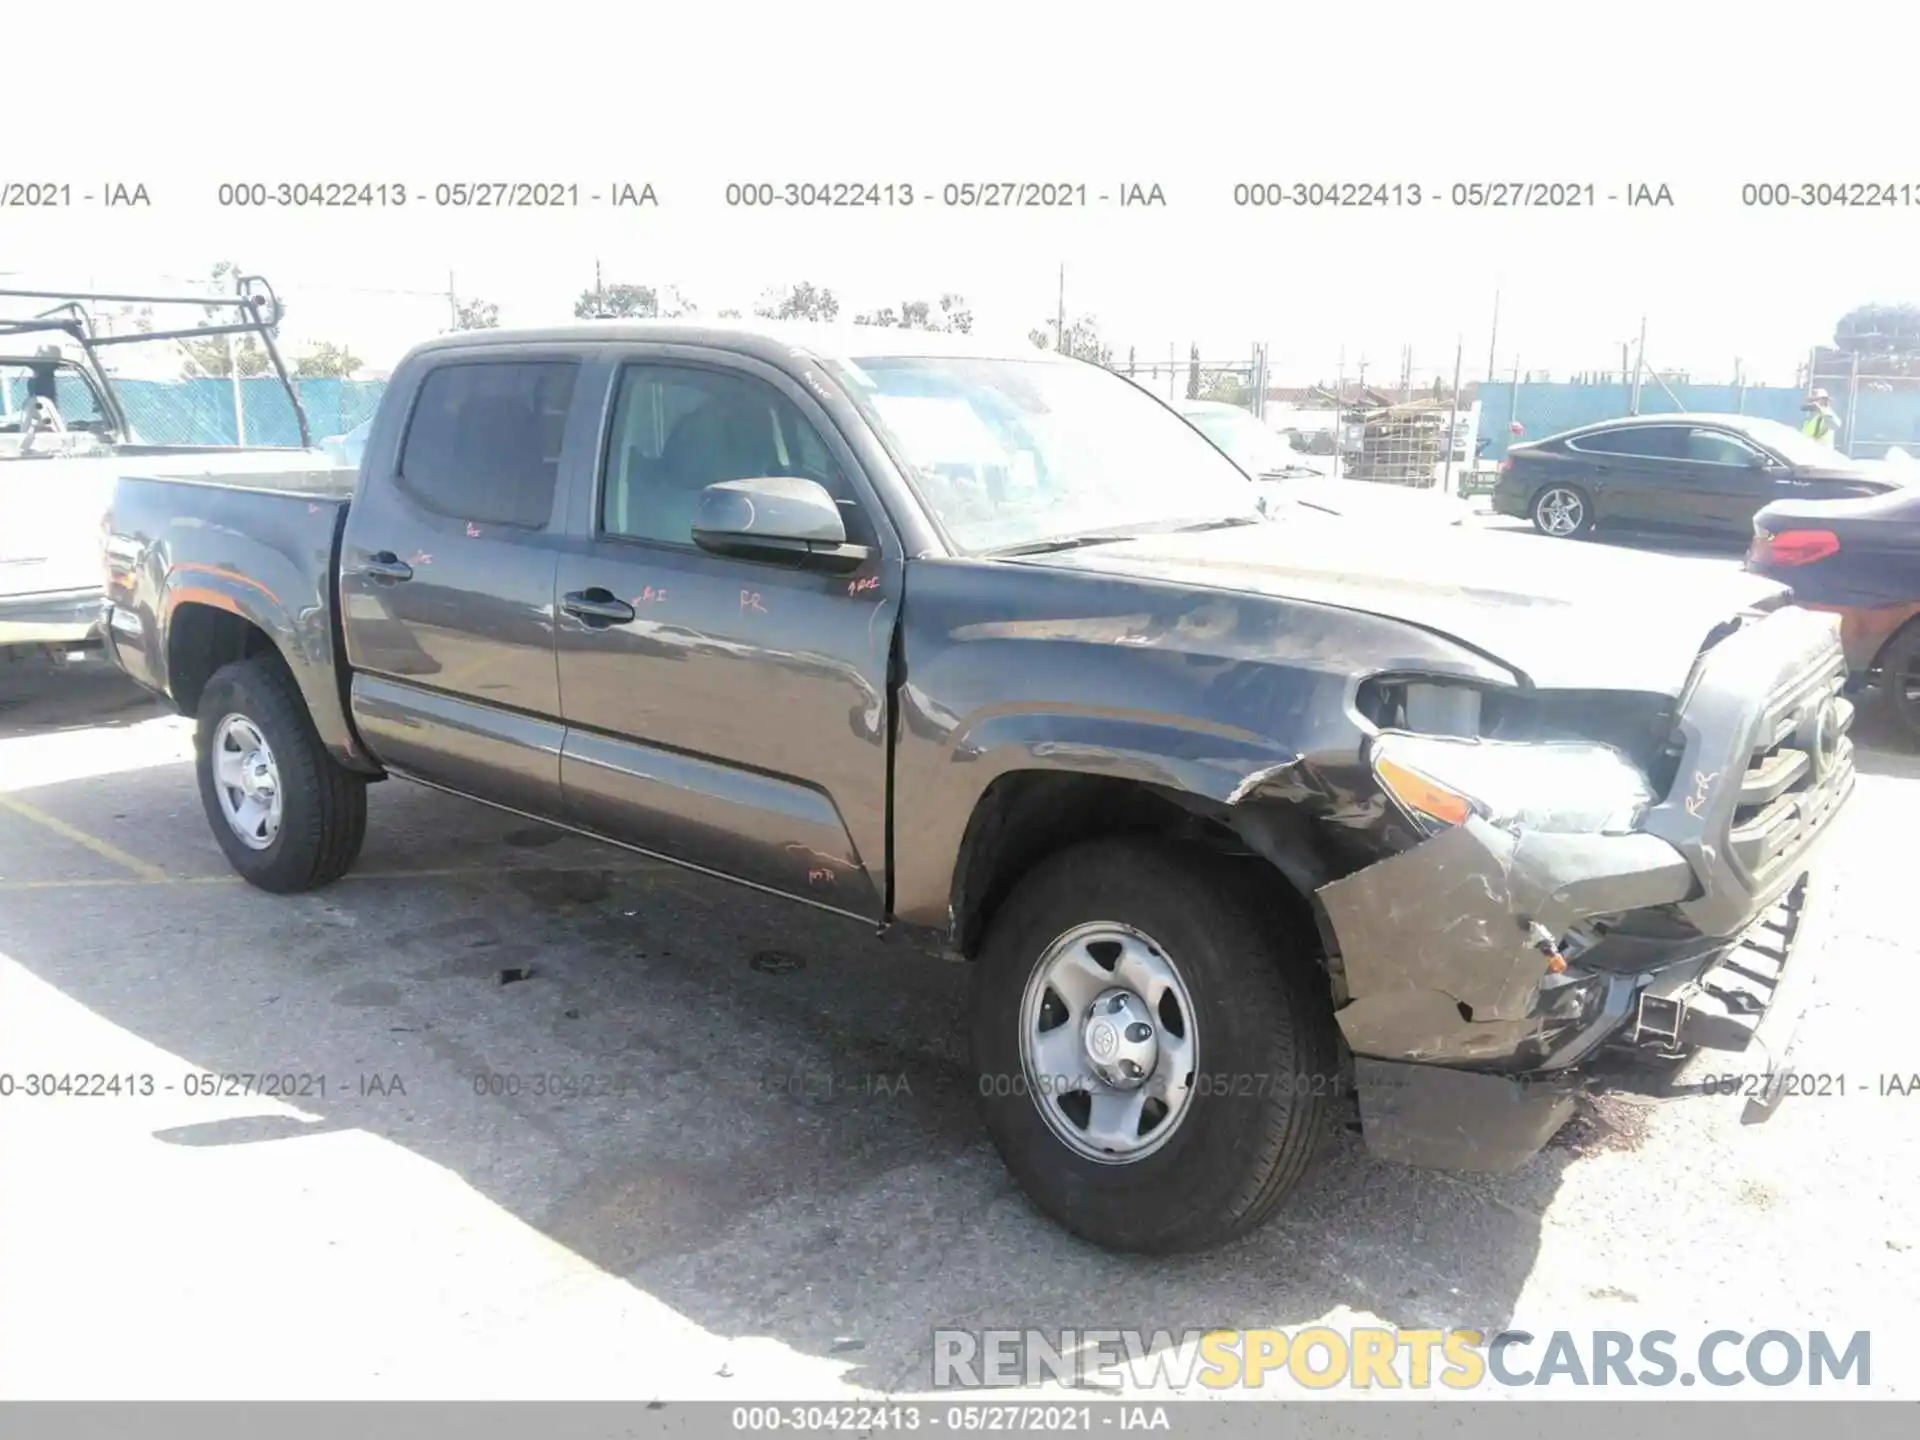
x,y
1251,820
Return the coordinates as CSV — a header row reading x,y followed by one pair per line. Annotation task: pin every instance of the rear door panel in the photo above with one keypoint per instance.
x,y
453,666
1627,471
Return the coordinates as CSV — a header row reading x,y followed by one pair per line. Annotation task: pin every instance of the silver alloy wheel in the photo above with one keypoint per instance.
x,y
1560,511
247,781
1108,1042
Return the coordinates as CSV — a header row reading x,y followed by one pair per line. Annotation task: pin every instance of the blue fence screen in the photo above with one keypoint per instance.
x,y
208,412
1881,418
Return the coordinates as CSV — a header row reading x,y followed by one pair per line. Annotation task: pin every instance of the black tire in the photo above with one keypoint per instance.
x,y
1539,502
1900,679
323,804
1264,1026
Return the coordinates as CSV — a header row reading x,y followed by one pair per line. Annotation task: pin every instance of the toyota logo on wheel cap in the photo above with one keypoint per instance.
x,y
1102,1040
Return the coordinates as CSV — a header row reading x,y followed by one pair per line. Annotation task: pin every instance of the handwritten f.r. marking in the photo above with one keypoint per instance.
x,y
1697,801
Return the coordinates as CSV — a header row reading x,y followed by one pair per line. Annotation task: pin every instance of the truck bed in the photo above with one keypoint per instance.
x,y
267,473
255,543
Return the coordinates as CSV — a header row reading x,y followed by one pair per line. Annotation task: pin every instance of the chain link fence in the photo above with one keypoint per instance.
x,y
1420,430
254,410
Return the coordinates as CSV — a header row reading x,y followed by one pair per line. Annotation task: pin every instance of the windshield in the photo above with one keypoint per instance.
x,y
1013,452
1251,444
1791,445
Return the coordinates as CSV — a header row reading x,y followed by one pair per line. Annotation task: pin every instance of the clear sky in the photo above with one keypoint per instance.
x,y
1700,97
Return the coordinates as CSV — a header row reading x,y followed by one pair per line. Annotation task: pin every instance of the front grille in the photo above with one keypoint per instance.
x,y
1798,770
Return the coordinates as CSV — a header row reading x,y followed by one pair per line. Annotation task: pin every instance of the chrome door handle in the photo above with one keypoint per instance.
x,y
597,607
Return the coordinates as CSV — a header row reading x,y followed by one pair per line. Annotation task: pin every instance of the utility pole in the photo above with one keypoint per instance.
x,y
1340,408
239,405
1453,421
1493,335
453,303
1060,315
599,292
1639,364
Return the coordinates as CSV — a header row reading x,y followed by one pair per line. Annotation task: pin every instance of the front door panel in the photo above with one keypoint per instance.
x,y
738,721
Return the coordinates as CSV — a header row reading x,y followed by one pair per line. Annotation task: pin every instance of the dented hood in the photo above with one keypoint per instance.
x,y
1565,614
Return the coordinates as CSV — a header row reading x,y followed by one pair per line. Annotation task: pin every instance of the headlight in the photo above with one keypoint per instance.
x,y
1557,787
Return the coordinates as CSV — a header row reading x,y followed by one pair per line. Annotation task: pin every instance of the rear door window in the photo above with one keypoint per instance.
x,y
1651,442
483,443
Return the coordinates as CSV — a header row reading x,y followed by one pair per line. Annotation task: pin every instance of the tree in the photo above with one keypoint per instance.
x,y
475,315
803,301
1082,341
1878,329
327,361
617,302
222,355
1880,339
1226,386
956,314
623,301
127,320
952,315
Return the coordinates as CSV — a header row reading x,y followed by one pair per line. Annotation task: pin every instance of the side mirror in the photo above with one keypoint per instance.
x,y
1757,461
776,518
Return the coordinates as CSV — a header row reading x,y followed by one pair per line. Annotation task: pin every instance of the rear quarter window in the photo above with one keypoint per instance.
x,y
1660,442
483,442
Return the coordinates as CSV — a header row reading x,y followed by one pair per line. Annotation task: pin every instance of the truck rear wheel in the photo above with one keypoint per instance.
x,y
1156,1060
288,815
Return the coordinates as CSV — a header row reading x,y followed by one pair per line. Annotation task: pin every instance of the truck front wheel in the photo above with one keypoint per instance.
x,y
288,816
1155,1058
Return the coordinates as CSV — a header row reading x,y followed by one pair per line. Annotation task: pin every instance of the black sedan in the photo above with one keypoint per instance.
x,y
1698,475
1859,559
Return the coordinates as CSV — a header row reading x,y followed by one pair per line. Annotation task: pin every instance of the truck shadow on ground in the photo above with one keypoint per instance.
x,y
772,1127
36,698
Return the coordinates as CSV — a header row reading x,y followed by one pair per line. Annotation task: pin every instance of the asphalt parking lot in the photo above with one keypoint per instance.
x,y
755,1170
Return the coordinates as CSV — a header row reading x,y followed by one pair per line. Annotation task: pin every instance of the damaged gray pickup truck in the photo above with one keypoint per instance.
x,y
1251,819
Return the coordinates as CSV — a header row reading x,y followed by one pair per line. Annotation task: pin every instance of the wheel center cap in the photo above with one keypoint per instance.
x,y
256,776
1120,1039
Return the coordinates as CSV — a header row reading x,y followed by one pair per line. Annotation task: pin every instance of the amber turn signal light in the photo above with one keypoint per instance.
x,y
1421,795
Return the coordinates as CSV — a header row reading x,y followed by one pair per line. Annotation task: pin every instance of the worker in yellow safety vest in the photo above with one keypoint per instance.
x,y
1821,423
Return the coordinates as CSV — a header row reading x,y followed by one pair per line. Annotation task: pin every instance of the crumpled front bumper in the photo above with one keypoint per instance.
x,y
1484,971
1470,1051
